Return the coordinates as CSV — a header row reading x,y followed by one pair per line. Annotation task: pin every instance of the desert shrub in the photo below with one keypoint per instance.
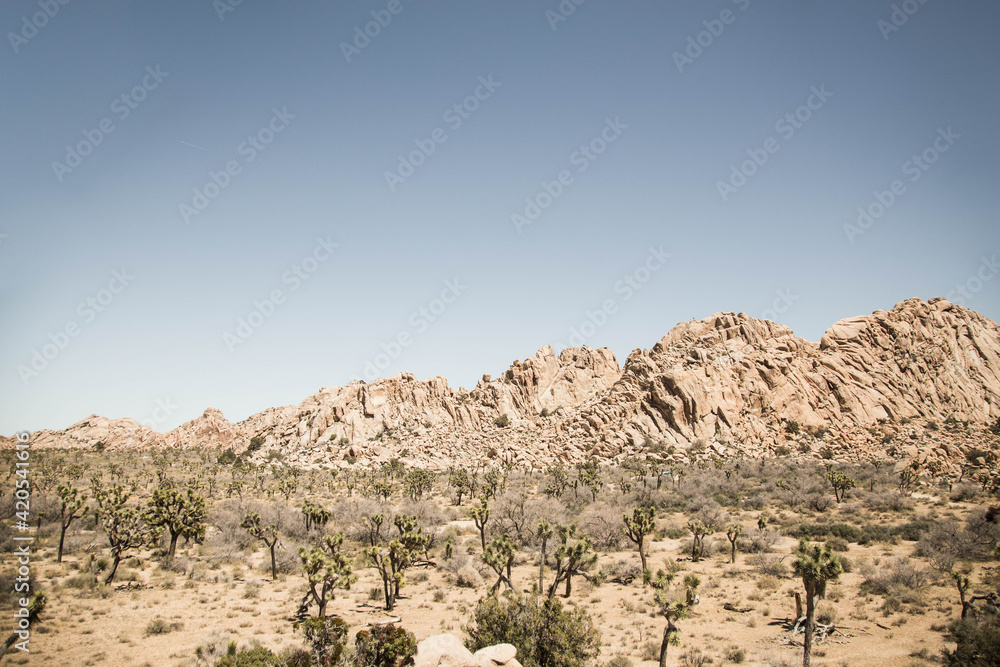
x,y
964,493
694,658
544,634
876,532
888,501
846,563
826,613
619,661
894,577
516,515
603,524
296,657
944,544
468,577
769,564
326,637
757,541
819,502
982,527
673,532
158,626
384,646
912,530
286,561
503,421
819,531
258,656
227,543
977,644
838,544
736,655
757,501
622,571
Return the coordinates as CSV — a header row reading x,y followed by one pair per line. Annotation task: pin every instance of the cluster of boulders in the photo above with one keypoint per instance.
x,y
449,651
728,384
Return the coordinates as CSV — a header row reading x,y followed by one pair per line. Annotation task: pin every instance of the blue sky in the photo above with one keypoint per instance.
x,y
178,165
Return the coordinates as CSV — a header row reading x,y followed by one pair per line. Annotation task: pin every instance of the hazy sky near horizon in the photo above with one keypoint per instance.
x,y
211,204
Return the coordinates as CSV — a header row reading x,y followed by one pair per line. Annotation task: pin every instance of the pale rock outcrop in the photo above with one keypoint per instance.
x,y
449,651
730,382
731,378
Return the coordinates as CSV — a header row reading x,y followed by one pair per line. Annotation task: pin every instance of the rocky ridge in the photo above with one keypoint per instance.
x,y
729,382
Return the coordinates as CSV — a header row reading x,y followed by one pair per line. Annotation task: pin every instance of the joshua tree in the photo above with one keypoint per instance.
x,y
35,608
72,506
287,487
591,476
269,534
458,479
418,482
125,526
381,490
637,527
671,609
572,559
181,514
374,527
733,533
481,515
315,516
326,571
392,560
816,566
544,534
500,555
841,484
699,531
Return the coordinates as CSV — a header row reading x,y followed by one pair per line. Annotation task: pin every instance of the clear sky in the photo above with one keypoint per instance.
x,y
473,179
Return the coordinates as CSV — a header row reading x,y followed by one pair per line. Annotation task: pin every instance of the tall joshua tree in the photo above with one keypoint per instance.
x,y
544,534
816,566
72,506
637,527
181,513
733,533
269,534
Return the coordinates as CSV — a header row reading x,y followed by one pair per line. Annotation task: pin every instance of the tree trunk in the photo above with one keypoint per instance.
x,y
173,545
642,555
732,551
541,570
114,568
569,584
62,540
664,644
482,536
274,567
808,642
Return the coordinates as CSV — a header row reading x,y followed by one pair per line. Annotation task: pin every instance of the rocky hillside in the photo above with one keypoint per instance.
x,y
728,382
731,378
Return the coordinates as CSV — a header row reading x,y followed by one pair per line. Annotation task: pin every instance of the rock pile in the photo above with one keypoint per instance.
x,y
730,383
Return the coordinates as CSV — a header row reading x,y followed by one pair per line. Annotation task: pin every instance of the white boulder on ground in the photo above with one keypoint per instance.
x,y
449,651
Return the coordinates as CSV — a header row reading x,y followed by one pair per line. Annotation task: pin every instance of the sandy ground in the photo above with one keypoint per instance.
x,y
239,601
